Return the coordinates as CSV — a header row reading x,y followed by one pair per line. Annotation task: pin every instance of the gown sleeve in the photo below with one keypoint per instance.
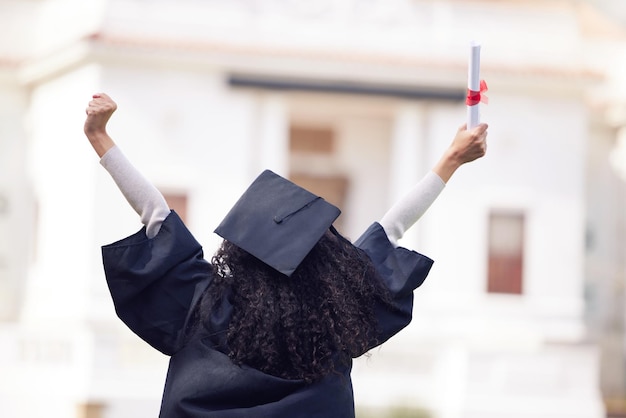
x,y
401,271
155,282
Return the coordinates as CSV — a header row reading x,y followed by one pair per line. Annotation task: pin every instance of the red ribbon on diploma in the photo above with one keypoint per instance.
x,y
475,97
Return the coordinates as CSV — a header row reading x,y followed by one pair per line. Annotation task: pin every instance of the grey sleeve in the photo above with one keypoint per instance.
x,y
404,213
142,195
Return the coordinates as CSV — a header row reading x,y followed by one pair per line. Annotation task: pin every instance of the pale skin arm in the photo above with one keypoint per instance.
x,y
99,111
467,146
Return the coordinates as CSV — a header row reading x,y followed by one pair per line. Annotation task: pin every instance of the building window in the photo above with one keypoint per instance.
x,y
178,202
312,153
311,140
332,188
506,252
90,410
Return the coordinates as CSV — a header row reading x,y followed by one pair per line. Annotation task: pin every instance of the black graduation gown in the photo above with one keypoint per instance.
x,y
155,283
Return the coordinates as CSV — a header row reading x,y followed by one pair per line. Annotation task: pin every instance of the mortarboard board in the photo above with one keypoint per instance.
x,y
277,221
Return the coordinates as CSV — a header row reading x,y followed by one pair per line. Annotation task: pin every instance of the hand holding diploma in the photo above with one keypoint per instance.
x,y
470,142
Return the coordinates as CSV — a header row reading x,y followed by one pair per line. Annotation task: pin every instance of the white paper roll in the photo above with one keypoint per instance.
x,y
473,83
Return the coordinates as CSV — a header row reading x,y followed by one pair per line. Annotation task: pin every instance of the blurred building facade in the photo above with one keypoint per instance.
x,y
522,315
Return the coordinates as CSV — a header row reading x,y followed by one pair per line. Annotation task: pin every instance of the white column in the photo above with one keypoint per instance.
x,y
16,213
272,148
408,154
63,169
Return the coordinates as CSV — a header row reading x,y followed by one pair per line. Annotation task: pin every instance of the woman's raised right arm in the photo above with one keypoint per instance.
x,y
467,146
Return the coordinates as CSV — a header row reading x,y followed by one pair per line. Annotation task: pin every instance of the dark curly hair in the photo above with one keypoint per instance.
x,y
299,327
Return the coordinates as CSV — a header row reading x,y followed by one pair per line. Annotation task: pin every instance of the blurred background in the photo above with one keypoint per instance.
x,y
523,313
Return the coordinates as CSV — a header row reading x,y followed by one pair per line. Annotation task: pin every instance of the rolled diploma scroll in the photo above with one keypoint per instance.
x,y
473,84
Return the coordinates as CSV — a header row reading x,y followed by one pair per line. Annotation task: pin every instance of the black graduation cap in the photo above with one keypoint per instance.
x,y
277,221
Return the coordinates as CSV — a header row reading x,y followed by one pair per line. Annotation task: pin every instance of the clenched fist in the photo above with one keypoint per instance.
x,y
99,110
